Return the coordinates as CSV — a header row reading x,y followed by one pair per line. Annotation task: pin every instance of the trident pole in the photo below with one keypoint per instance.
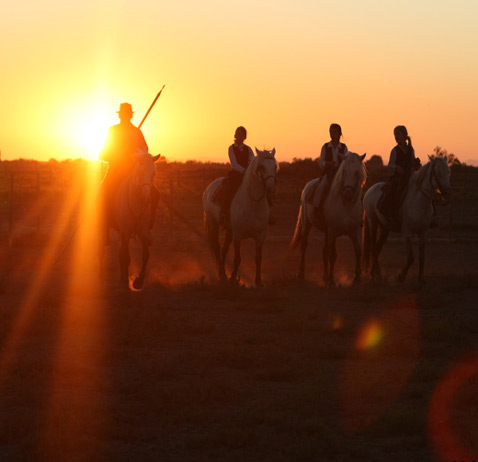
x,y
151,107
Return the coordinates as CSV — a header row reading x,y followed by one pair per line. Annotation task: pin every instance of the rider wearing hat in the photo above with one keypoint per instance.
x,y
122,142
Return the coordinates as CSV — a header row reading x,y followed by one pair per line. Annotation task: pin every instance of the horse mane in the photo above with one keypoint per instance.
x,y
251,168
256,161
142,155
351,159
422,174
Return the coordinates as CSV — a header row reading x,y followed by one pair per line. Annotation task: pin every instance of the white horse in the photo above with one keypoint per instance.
x,y
249,213
415,215
342,215
132,214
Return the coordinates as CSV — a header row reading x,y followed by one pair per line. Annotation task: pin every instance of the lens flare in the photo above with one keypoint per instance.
x,y
452,416
380,362
370,336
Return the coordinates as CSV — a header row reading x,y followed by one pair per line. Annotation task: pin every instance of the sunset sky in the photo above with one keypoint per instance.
x,y
285,69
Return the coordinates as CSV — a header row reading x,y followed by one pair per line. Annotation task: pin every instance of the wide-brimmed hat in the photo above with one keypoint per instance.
x,y
126,109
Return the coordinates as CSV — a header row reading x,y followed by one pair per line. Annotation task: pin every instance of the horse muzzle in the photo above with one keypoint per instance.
x,y
446,193
348,194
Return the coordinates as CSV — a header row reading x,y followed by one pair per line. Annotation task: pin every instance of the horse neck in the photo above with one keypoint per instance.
x,y
133,189
253,187
336,190
421,183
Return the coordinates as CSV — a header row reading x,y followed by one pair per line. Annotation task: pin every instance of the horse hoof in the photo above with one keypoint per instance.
x,y
138,283
356,280
377,277
259,284
222,276
401,277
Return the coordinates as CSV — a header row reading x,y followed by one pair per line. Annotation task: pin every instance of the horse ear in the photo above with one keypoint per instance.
x,y
363,157
430,157
155,158
273,152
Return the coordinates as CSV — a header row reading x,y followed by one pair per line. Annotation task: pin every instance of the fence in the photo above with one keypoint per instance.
x,y
31,192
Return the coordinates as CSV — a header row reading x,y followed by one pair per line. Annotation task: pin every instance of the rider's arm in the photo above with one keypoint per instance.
x,y
322,161
141,142
234,164
393,159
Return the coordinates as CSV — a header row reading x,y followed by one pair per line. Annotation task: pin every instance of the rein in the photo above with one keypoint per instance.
x,y
263,181
430,180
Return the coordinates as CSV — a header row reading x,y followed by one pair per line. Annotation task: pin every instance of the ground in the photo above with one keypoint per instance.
x,y
189,369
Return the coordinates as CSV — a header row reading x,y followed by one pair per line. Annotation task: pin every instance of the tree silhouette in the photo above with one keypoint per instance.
x,y
451,158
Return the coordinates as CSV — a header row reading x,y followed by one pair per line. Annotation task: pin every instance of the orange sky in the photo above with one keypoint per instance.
x,y
285,69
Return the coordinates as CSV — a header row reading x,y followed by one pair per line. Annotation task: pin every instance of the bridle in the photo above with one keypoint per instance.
x,y
263,180
433,177
354,190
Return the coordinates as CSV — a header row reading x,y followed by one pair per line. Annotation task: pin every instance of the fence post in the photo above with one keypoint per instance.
x,y
463,203
171,201
38,215
10,211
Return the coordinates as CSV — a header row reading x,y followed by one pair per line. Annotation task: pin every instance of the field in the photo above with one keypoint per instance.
x,y
191,370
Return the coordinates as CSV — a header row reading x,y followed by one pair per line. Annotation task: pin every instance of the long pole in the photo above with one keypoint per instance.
x,y
151,107
78,225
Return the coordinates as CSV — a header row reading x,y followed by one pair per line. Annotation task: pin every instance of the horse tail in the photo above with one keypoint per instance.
x,y
212,233
298,228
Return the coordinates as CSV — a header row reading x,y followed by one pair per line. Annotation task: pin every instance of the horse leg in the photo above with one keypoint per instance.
x,y
421,259
213,239
237,259
124,260
367,242
259,243
377,246
223,255
138,282
101,263
403,274
303,247
358,256
332,257
325,258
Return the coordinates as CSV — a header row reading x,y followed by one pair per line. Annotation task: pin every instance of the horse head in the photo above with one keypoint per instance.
x,y
440,176
266,171
143,173
350,177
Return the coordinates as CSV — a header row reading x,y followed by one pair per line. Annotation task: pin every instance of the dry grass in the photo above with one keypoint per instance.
x,y
192,370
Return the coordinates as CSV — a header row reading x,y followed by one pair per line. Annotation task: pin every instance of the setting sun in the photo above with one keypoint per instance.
x,y
285,70
89,134
84,128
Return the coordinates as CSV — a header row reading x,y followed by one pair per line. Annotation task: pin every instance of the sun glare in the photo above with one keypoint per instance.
x,y
88,134
83,127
